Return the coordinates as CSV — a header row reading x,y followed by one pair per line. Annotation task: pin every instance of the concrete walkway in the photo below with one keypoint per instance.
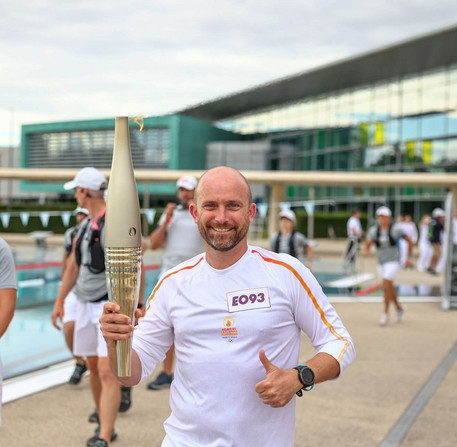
x,y
401,390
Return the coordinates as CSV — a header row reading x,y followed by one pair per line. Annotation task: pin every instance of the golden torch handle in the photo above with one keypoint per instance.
x,y
123,269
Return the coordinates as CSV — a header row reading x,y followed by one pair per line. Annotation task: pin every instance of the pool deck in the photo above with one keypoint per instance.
x,y
401,390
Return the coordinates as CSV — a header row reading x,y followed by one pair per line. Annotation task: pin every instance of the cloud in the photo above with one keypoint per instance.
x,y
96,59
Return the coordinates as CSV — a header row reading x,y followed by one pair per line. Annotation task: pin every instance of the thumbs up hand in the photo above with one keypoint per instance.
x,y
279,386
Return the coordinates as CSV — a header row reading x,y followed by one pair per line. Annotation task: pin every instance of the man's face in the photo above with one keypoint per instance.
x,y
80,217
223,213
80,197
384,220
286,225
185,196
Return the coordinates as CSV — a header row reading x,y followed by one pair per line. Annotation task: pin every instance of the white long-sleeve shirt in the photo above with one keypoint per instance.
x,y
219,320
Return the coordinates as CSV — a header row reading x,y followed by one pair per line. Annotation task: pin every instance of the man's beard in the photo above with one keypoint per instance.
x,y
220,242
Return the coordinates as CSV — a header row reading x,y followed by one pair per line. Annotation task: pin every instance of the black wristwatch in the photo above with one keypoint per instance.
x,y
306,376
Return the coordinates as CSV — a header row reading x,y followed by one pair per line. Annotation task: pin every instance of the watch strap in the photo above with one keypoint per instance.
x,y
299,393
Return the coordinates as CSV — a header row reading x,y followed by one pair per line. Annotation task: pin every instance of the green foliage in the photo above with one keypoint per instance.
x,y
323,222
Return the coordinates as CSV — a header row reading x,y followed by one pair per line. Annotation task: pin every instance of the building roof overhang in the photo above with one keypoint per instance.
x,y
413,56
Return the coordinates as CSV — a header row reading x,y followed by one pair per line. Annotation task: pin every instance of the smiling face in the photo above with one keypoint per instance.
x,y
223,211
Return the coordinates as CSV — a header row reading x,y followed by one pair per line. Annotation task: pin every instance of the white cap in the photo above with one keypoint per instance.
x,y
383,211
288,214
90,178
438,212
81,210
187,182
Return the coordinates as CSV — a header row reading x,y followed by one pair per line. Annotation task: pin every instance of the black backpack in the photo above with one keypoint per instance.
x,y
291,244
392,241
97,255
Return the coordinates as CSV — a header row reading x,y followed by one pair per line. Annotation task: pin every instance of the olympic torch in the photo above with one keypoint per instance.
x,y
123,237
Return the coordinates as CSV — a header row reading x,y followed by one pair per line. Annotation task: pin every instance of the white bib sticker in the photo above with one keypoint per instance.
x,y
248,299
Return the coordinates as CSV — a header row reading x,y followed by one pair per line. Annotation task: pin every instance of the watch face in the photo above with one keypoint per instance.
x,y
307,376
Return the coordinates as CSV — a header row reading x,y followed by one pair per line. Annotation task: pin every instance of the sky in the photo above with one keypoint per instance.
x,y
77,59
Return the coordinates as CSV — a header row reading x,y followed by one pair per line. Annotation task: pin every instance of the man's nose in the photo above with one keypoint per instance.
x,y
221,214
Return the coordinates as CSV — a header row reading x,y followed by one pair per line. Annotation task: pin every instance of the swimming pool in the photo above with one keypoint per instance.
x,y
31,341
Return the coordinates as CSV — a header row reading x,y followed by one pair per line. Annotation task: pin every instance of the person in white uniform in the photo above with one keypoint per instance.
x,y
410,229
355,234
177,231
8,295
235,314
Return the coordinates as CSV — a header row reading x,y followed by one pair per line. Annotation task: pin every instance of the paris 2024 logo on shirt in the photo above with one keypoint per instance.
x,y
229,331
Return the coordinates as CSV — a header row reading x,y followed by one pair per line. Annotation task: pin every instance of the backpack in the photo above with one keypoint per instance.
x,y
392,241
291,244
97,255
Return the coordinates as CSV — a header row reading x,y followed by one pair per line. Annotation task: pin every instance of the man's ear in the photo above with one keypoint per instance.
x,y
193,210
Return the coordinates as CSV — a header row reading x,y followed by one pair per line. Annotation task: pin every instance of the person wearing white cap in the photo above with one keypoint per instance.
x,y
69,317
436,230
178,233
86,269
289,241
386,235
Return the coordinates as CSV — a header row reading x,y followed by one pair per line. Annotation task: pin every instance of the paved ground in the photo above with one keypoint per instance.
x,y
393,367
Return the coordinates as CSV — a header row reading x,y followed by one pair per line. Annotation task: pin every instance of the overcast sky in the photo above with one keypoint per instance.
x,y
78,59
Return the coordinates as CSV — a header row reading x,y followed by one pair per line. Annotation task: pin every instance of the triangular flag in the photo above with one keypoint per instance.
x,y
284,206
150,214
5,219
66,217
24,218
44,217
263,208
309,207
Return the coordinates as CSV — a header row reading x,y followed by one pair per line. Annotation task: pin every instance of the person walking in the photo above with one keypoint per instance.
x,y
86,270
410,229
8,296
69,316
424,245
436,230
235,314
287,240
385,235
354,235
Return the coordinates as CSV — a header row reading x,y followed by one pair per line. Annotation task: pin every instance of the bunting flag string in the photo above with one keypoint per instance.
x,y
66,218
44,218
309,208
24,218
263,208
5,219
150,214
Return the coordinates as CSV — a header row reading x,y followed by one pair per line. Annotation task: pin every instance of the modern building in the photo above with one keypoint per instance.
x,y
390,110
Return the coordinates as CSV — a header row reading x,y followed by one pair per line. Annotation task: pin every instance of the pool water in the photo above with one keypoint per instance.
x,y
31,341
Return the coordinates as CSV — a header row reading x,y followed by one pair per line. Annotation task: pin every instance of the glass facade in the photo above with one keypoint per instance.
x,y
150,148
399,125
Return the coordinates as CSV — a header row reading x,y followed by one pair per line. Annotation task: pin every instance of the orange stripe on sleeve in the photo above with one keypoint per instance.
x,y
189,267
313,299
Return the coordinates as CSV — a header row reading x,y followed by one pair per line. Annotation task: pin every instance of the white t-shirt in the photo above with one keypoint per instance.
x,y
183,238
354,227
219,320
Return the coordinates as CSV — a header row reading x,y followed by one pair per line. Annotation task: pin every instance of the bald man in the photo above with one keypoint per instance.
x,y
235,315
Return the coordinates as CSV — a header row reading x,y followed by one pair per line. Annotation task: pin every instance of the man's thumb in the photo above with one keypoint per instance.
x,y
266,362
